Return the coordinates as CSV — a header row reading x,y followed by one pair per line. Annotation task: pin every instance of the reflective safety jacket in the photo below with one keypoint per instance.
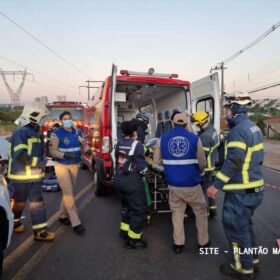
x,y
68,142
130,157
179,156
26,143
210,141
244,156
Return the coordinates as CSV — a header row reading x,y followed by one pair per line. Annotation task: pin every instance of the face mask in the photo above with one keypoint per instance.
x,y
230,122
68,123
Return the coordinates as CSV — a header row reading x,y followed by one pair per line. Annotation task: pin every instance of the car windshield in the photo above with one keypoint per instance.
x,y
77,113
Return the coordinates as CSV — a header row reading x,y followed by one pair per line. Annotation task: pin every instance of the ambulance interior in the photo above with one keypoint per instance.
x,y
158,101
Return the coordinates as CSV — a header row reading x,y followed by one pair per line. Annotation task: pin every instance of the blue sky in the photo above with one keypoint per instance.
x,y
184,37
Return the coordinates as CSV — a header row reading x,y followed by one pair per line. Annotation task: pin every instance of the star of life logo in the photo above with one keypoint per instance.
x,y
178,146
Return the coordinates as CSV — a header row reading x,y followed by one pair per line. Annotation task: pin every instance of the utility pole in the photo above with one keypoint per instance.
x,y
89,87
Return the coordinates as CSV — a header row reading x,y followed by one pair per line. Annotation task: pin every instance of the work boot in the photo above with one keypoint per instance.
x,y
136,243
65,221
19,227
178,249
256,265
123,234
79,229
228,270
44,235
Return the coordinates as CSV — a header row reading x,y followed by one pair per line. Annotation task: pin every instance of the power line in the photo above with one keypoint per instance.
x,y
38,72
260,38
43,44
276,84
36,18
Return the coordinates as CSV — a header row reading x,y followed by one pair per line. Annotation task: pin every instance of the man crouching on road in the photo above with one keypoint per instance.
x,y
183,158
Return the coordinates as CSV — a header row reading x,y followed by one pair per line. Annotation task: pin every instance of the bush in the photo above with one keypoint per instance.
x,y
260,123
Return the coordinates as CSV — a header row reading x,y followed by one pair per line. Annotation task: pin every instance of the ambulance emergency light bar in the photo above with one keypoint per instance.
x,y
151,72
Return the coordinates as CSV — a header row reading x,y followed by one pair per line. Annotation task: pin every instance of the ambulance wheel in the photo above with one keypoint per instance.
x,y
99,187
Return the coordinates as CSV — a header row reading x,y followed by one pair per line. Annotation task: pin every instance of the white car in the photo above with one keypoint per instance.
x,y
6,214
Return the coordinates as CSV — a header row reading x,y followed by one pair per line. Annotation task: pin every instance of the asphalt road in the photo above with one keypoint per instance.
x,y
100,253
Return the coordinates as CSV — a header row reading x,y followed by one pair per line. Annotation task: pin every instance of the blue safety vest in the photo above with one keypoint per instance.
x,y
179,156
69,143
242,168
26,140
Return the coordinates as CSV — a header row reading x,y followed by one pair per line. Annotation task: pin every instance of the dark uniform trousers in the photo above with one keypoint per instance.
x,y
133,203
20,192
205,184
238,210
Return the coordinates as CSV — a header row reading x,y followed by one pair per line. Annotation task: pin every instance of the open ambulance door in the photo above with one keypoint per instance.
x,y
113,117
205,96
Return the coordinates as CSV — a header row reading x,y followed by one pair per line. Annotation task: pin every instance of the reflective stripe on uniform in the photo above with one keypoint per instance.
x,y
39,226
124,226
251,185
237,144
209,159
247,161
20,147
244,271
30,142
26,177
224,178
23,177
134,235
179,161
125,147
76,149
34,161
209,169
236,256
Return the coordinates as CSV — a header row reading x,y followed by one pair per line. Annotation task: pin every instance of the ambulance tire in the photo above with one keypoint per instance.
x,y
99,188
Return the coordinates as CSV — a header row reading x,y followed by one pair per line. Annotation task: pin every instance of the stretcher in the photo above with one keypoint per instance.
x,y
158,190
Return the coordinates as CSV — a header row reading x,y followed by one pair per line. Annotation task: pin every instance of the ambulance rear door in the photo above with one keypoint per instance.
x,y
205,96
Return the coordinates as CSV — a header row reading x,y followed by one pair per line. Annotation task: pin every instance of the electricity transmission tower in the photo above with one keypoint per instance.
x,y
14,94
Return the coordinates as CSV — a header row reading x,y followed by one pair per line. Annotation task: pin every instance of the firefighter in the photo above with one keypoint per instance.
x,y
210,141
65,148
142,121
130,167
25,170
242,181
183,158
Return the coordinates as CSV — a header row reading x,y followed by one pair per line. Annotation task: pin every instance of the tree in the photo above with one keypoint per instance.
x,y
260,123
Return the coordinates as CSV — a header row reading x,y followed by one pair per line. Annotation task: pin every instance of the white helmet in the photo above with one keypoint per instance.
x,y
238,97
33,112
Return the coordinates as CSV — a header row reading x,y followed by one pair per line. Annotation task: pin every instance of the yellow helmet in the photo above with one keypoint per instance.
x,y
200,118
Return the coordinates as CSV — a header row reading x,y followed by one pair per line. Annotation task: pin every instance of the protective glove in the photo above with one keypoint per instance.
x,y
69,156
